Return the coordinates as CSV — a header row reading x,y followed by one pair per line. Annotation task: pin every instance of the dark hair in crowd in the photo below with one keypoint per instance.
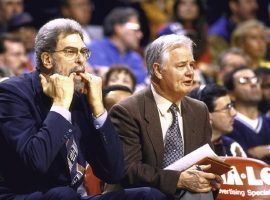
x,y
111,88
48,35
120,68
7,37
229,80
210,93
117,16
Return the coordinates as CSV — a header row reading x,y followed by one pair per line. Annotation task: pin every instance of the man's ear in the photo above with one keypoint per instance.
x,y
117,28
47,60
157,70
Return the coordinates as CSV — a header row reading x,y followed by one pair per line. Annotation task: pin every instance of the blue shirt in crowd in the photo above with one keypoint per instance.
x,y
104,54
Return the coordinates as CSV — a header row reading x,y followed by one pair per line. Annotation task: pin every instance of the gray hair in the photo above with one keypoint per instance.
x,y
48,35
156,51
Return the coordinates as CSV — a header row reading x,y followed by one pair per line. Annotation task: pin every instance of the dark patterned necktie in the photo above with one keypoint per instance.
x,y
76,170
174,148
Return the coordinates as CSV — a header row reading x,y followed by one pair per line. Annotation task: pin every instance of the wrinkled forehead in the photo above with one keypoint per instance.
x,y
70,40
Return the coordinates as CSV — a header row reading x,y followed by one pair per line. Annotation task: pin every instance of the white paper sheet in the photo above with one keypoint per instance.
x,y
191,158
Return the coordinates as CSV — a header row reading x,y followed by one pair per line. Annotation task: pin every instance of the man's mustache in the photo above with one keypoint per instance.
x,y
77,70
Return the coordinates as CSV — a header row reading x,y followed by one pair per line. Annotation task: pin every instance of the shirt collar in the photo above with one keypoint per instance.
x,y
163,104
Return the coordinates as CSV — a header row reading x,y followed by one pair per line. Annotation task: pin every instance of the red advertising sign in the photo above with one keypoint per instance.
x,y
248,179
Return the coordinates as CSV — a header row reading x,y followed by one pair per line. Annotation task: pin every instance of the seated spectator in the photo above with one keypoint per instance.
x,y
264,75
251,128
123,35
22,25
13,58
50,130
230,59
222,115
190,13
115,93
250,36
120,75
220,32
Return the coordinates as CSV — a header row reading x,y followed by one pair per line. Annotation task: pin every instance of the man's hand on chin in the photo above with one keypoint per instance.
x,y
59,88
93,84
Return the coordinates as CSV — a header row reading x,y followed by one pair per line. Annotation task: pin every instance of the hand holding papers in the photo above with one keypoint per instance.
x,y
201,156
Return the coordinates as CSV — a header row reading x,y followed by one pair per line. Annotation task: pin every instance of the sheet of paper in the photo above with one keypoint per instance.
x,y
191,158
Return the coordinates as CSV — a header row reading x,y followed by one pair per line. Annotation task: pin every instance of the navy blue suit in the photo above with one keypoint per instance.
x,y
32,140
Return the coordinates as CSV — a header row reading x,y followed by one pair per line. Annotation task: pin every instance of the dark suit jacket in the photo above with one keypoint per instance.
x,y
137,121
32,140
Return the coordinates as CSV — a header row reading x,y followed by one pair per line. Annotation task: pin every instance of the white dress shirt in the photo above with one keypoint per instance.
x,y
165,114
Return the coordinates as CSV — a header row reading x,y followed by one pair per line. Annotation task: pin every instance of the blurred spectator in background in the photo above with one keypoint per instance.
x,y
123,34
230,59
81,11
264,75
222,115
12,55
220,32
9,8
115,93
158,13
22,25
250,36
190,13
251,128
200,78
120,75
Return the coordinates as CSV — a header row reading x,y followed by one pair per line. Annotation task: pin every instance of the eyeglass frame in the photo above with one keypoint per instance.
x,y
77,52
250,80
228,108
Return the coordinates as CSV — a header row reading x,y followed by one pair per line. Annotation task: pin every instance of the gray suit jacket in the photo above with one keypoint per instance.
x,y
137,121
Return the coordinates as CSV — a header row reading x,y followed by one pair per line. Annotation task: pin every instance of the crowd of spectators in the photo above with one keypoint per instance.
x,y
231,50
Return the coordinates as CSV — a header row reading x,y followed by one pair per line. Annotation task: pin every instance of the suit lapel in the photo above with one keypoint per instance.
x,y
43,105
188,128
153,125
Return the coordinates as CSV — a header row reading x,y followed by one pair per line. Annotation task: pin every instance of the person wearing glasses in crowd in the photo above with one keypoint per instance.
x,y
221,113
123,35
53,122
251,128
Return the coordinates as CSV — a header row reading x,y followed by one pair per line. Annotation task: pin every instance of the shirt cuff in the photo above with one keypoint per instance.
x,y
98,122
62,111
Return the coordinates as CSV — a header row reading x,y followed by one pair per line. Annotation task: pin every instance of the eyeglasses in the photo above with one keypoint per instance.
x,y
73,52
228,107
132,26
251,80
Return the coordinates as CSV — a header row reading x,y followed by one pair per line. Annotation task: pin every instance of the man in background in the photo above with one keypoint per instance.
x,y
123,35
251,128
13,57
222,115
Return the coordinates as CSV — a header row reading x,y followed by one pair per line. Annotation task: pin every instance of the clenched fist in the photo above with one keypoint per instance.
x,y
93,85
59,88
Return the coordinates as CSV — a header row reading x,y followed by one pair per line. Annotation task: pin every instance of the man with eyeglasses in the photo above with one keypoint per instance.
x,y
53,122
123,35
221,115
251,128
